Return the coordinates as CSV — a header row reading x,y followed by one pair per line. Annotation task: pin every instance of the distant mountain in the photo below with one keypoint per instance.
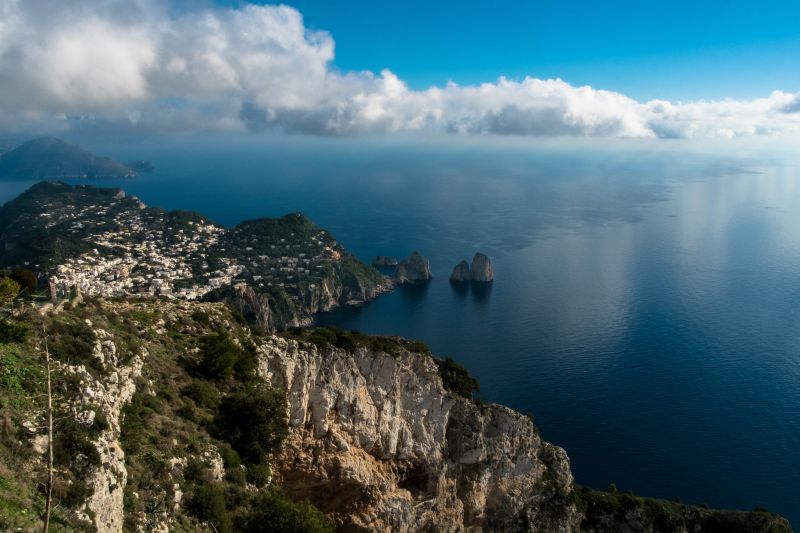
x,y
49,158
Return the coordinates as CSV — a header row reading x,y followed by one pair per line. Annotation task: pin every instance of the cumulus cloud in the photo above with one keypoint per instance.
x,y
135,62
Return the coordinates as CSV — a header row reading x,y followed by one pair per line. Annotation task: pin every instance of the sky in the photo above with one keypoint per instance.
x,y
678,50
645,70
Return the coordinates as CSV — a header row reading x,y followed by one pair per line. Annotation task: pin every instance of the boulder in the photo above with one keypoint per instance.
x,y
412,269
481,269
460,273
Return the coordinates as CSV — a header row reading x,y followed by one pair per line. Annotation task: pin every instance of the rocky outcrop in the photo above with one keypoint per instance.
x,y
481,269
460,273
413,269
377,441
268,314
384,261
103,396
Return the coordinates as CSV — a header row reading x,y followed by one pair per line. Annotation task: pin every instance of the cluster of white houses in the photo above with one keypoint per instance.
x,y
138,257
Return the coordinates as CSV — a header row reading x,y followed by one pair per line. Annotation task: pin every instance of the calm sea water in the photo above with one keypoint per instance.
x,y
646,308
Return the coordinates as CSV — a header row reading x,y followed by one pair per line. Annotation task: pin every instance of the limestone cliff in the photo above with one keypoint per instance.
x,y
379,442
381,436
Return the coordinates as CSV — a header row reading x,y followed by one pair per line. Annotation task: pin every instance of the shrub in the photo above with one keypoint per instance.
x,y
418,347
229,457
238,316
271,511
72,444
203,393
247,363
322,338
201,317
10,332
219,356
73,342
253,421
208,505
456,378
258,474
9,289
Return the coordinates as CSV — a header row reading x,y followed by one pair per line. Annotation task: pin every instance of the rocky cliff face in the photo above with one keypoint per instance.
x,y
380,443
269,313
380,438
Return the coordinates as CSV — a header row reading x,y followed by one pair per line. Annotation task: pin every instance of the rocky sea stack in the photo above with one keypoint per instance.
x,y
413,269
460,273
479,272
481,269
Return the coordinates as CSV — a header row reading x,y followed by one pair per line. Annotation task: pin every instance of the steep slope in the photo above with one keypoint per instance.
x,y
49,158
158,401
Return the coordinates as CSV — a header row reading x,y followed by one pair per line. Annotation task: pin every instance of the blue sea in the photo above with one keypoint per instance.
x,y
646,306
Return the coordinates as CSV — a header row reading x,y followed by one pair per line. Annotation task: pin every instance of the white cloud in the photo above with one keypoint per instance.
x,y
259,67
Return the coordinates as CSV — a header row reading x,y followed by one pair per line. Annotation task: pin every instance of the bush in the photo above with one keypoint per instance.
x,y
253,421
203,393
10,332
229,457
201,317
9,289
271,511
72,444
419,347
258,474
456,378
73,342
219,356
322,337
208,505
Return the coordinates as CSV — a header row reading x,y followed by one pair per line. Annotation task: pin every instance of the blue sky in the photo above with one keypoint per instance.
x,y
680,50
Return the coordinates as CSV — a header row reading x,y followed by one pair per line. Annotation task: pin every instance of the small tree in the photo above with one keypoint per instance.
x,y
219,356
253,421
9,289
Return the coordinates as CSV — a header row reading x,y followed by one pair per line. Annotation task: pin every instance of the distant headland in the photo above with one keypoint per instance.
x,y
52,158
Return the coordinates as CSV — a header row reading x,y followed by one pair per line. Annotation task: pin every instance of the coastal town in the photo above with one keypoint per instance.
x,y
108,244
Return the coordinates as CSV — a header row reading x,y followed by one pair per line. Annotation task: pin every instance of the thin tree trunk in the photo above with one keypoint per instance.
x,y
49,439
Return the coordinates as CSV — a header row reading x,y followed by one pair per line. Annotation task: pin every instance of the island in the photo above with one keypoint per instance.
x,y
51,158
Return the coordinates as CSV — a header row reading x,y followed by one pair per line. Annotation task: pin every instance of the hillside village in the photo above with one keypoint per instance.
x,y
105,243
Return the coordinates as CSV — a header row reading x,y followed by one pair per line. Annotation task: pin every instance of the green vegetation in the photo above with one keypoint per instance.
x,y
207,403
9,289
72,340
219,356
456,378
273,512
253,421
612,510
327,337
